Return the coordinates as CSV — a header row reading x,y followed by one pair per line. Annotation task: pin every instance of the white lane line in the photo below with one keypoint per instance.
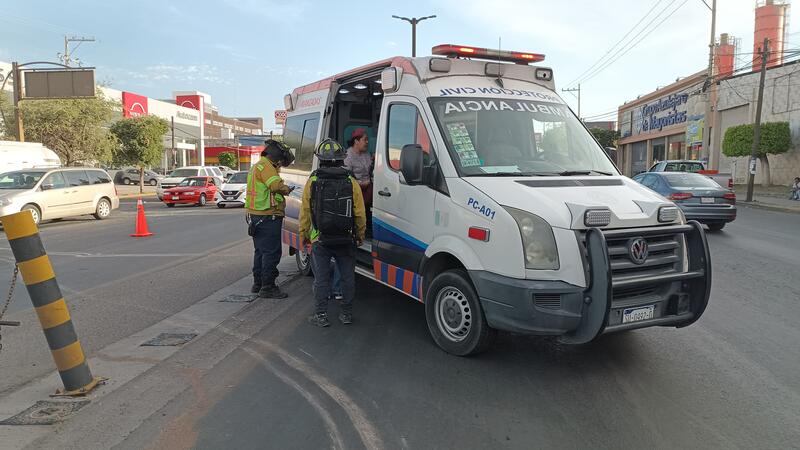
x,y
330,425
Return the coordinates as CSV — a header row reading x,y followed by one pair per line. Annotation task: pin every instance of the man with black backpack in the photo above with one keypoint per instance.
x,y
332,218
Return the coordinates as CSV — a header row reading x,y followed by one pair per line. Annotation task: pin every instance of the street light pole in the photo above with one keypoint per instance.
x,y
757,126
711,87
414,21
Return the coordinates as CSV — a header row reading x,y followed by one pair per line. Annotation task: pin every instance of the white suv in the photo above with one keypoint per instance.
x,y
177,175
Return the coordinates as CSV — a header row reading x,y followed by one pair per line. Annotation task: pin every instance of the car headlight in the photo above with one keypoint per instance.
x,y
538,241
668,214
190,193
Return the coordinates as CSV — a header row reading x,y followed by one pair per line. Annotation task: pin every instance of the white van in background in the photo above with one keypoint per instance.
x,y
26,155
494,206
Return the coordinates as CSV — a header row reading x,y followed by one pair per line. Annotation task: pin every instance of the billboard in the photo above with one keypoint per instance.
x,y
280,116
60,83
133,105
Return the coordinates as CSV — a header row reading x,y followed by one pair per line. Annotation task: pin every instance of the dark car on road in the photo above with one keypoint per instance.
x,y
131,176
699,197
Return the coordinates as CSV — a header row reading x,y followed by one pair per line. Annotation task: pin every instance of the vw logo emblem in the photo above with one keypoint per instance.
x,y
637,250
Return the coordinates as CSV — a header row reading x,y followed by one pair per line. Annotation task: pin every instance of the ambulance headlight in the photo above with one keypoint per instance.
x,y
538,242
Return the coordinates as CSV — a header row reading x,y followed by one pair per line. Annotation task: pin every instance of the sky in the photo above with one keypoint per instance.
x,y
247,54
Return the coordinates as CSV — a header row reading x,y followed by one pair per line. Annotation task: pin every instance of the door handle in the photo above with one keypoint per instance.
x,y
384,193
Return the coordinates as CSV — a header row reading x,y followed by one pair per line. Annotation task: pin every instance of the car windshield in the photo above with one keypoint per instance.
x,y
680,180
183,172
21,179
238,178
193,182
497,137
683,167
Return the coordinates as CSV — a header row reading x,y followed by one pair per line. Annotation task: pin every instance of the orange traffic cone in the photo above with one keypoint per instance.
x,y
141,222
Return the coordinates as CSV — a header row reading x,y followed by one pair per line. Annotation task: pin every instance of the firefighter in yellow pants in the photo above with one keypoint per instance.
x,y
265,212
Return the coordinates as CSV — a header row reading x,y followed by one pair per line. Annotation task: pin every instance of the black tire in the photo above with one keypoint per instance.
x,y
455,316
303,260
103,209
202,201
220,205
35,212
153,182
716,226
126,181
170,205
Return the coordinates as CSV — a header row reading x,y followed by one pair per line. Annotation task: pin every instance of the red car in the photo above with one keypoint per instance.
x,y
191,191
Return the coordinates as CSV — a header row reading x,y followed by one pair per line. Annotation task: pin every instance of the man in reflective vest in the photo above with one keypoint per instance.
x,y
265,210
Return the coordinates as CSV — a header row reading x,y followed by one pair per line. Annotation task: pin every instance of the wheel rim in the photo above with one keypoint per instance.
x,y
453,314
104,209
153,182
35,215
126,181
303,259
202,200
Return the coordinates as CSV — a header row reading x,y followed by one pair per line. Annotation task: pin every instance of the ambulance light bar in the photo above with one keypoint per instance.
x,y
452,51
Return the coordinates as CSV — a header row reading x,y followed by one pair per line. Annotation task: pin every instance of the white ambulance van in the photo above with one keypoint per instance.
x,y
494,206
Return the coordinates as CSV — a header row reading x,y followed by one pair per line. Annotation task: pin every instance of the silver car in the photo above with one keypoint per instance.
x,y
58,193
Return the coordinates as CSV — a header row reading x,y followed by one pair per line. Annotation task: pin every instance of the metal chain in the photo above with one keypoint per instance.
x,y
11,287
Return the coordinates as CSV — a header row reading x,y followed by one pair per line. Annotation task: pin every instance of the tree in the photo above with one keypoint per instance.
x,y
74,129
776,138
607,138
228,159
141,142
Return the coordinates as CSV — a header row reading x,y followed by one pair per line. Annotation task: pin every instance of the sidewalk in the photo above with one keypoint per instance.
x,y
773,198
132,191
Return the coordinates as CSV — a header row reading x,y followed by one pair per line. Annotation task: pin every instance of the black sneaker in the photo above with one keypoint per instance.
x,y
271,292
256,285
345,318
338,297
320,320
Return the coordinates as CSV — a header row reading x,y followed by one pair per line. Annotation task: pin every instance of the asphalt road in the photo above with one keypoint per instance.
x,y
116,285
267,379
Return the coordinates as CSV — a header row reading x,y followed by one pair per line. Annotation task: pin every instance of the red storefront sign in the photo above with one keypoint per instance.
x,y
133,105
189,101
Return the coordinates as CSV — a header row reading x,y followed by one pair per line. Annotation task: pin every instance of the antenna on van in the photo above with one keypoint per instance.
x,y
499,80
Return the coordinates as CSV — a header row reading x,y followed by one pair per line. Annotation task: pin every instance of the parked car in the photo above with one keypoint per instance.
x,y
58,193
177,175
693,166
131,176
191,191
234,191
699,197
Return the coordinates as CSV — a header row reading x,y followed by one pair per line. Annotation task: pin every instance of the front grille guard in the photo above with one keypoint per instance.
x,y
599,293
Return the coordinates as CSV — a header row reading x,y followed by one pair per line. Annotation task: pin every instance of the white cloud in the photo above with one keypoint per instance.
x,y
180,73
270,9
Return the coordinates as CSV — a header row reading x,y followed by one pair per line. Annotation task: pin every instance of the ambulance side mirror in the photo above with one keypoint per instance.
x,y
411,164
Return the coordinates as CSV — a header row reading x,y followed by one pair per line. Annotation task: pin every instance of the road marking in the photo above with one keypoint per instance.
x,y
307,354
123,255
330,425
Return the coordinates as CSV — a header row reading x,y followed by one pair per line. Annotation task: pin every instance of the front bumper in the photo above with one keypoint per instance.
x,y
579,315
182,200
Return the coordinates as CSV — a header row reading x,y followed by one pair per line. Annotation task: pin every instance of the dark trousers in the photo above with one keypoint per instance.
x,y
345,260
268,247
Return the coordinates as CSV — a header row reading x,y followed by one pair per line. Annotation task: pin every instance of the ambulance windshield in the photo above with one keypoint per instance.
x,y
504,137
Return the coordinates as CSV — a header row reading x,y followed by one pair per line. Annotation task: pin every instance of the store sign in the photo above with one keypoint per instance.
x,y
694,130
280,116
189,101
133,105
664,112
186,116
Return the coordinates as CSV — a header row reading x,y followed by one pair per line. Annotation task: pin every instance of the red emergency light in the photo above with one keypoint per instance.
x,y
453,51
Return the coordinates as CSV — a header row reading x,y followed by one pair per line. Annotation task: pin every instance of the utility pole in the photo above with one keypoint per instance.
x,y
578,90
711,87
414,21
174,153
66,57
757,126
17,74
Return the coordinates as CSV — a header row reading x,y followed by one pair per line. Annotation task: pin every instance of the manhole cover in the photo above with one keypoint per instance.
x,y
240,298
169,339
45,413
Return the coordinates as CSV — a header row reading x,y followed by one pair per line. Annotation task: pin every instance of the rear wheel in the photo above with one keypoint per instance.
x,y
126,181
202,201
153,182
716,226
37,215
103,210
303,260
455,316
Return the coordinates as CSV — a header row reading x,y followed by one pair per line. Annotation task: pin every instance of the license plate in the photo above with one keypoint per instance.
x,y
706,199
637,314
175,197
229,197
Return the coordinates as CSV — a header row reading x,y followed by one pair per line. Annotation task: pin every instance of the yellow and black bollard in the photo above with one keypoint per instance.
x,y
40,280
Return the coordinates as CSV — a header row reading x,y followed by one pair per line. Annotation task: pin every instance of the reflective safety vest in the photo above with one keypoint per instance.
x,y
259,195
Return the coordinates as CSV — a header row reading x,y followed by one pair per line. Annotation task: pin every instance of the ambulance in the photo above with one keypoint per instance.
x,y
494,206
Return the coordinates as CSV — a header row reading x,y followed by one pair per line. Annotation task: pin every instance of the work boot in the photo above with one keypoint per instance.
x,y
271,292
319,319
346,318
256,285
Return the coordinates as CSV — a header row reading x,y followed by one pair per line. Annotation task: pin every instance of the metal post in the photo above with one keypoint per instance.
x,y
17,74
414,37
173,138
757,126
578,89
40,280
706,148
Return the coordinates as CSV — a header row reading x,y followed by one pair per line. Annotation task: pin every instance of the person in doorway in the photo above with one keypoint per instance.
x,y
332,218
265,211
795,195
359,163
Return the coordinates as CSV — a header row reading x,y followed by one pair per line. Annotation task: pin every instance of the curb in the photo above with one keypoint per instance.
x,y
145,195
768,207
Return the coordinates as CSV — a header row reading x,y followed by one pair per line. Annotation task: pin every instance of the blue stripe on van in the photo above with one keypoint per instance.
x,y
382,231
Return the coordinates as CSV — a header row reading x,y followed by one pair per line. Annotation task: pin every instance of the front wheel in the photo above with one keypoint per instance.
x,y
103,210
126,181
455,316
35,213
303,260
202,201
153,182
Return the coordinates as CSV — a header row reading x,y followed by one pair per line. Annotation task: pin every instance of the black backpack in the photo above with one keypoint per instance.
x,y
332,206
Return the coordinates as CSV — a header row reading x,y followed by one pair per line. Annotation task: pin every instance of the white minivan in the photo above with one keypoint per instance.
x,y
494,206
